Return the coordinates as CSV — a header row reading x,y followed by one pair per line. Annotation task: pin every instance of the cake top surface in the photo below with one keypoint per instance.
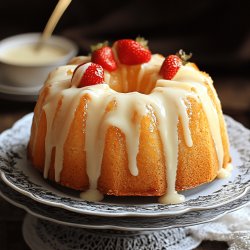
x,y
123,66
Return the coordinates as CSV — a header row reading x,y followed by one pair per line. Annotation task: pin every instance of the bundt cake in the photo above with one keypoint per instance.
x,y
125,122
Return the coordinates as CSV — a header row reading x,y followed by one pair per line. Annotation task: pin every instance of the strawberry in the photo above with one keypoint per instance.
x,y
103,55
131,52
172,63
170,67
88,74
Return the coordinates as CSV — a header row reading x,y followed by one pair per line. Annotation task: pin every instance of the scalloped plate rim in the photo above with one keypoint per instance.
x,y
122,214
113,227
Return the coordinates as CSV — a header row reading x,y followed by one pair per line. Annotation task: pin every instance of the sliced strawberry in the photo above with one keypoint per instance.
x,y
88,74
172,63
131,52
105,57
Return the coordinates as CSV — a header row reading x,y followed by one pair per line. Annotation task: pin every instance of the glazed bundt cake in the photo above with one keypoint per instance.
x,y
124,122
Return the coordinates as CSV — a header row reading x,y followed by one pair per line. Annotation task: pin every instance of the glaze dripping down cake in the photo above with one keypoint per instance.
x,y
125,122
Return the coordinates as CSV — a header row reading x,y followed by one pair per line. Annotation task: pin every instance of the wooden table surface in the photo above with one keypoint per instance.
x,y
235,103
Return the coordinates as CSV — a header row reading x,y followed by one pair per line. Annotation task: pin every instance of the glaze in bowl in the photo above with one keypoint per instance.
x,y
25,73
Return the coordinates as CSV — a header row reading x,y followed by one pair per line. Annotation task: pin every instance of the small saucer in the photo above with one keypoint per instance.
x,y
15,93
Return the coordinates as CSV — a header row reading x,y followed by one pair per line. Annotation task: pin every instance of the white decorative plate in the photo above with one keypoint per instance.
x,y
68,218
17,173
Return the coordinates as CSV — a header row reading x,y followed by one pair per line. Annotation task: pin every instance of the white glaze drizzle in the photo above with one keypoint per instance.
x,y
94,141
173,99
197,81
167,100
225,172
70,100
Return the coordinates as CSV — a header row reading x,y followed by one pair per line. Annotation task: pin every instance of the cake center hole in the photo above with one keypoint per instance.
x,y
130,79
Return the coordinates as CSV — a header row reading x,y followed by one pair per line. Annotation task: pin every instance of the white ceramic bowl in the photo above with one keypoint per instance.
x,y
32,74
